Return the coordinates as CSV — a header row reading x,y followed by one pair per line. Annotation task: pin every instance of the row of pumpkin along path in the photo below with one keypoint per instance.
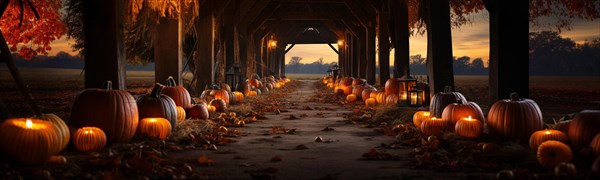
x,y
513,119
101,116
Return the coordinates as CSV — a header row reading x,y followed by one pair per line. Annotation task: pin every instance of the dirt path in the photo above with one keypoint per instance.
x,y
338,157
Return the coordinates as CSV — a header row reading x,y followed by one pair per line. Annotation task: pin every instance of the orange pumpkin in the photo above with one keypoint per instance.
x,y
30,141
596,144
370,102
351,98
155,128
179,94
113,111
551,153
357,91
391,86
251,94
391,99
380,98
433,126
583,128
347,90
280,85
456,111
61,127
254,82
89,139
221,94
219,105
239,96
440,100
330,84
180,114
211,108
541,136
358,81
157,105
468,127
366,93
419,117
515,118
198,111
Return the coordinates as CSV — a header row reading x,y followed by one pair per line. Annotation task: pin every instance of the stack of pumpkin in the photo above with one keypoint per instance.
x,y
515,118
257,86
218,97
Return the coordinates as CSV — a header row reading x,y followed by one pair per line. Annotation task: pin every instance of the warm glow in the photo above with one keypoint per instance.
x,y
469,118
403,97
547,132
273,43
433,118
340,42
426,113
29,124
152,120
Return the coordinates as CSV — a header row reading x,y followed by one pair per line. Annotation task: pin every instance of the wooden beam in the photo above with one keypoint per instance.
x,y
260,20
204,62
333,48
290,48
252,13
370,56
219,6
104,45
167,50
401,35
304,16
439,42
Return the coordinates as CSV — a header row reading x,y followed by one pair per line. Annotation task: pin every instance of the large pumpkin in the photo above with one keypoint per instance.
x,y
254,82
443,99
89,139
347,90
582,129
221,94
515,118
391,86
62,129
542,136
179,94
30,141
456,111
113,111
596,144
157,105
551,153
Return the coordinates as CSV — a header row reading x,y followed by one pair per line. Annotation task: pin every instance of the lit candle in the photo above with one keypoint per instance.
x,y
89,139
468,127
156,128
29,124
433,126
419,117
404,96
541,136
21,134
413,99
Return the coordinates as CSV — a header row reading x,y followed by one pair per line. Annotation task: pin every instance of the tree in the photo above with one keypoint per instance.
x,y
25,32
295,62
320,63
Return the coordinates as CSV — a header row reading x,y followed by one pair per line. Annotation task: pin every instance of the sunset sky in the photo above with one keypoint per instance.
x,y
469,40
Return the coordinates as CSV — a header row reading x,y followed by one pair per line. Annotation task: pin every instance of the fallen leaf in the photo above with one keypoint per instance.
x,y
276,158
203,160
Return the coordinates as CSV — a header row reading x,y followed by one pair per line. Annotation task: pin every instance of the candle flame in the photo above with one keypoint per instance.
x,y
88,131
433,118
29,124
426,113
469,118
547,132
152,120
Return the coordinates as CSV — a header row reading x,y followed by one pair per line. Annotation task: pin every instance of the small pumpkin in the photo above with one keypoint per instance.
x,y
239,96
179,94
211,108
113,111
419,117
351,98
155,128
551,153
380,98
370,102
359,81
440,100
391,86
219,105
221,94
157,105
583,128
365,94
347,90
254,82
198,111
279,85
595,144
251,93
181,115
541,136
89,139
456,111
30,141
391,99
433,126
468,127
357,91
515,118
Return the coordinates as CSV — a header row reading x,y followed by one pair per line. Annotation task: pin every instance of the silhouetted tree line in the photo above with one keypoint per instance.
x,y
551,54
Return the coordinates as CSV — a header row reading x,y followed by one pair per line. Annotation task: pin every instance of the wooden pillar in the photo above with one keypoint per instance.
x,y
356,46
364,42
401,35
229,35
509,49
265,57
370,67
439,45
242,44
104,46
167,50
342,52
349,55
204,74
384,46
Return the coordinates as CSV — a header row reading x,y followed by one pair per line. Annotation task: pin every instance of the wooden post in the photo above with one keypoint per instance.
x,y
204,61
370,73
229,35
356,46
167,50
265,57
362,60
104,46
384,46
509,49
401,46
439,46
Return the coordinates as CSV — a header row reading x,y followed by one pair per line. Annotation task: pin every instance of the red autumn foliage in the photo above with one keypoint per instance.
x,y
34,35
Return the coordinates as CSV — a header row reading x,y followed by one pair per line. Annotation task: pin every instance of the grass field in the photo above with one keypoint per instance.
x,y
55,89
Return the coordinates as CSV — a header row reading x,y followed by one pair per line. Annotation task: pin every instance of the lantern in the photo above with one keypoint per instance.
x,y
416,97
335,71
405,84
233,76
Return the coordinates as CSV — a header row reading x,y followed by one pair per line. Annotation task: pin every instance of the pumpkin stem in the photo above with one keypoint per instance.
x,y
171,82
459,100
514,96
447,89
157,90
107,85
